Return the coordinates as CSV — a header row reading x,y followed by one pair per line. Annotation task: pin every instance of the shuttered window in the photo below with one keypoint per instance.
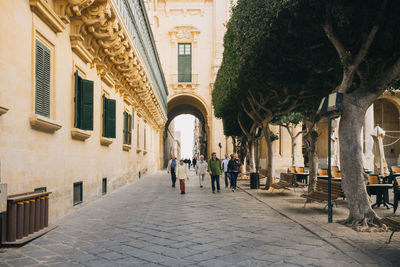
x,y
184,62
42,79
144,137
127,133
83,103
109,119
78,193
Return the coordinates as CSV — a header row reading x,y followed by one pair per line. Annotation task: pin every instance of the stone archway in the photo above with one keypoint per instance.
x,y
193,105
386,115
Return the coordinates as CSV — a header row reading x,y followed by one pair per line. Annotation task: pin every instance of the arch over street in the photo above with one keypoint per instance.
x,y
193,105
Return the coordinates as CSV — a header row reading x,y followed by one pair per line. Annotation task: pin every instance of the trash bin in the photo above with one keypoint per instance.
x,y
254,181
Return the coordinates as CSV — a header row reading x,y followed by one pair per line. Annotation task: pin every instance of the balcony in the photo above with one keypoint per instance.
x,y
184,82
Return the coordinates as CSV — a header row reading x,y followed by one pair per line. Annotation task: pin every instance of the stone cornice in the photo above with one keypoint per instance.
x,y
43,10
100,37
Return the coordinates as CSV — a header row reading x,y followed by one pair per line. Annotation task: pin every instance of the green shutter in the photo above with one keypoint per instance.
x,y
42,79
125,128
110,118
129,129
86,114
104,116
181,64
184,63
77,99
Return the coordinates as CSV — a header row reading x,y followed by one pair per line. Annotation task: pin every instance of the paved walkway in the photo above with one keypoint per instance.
x,y
148,223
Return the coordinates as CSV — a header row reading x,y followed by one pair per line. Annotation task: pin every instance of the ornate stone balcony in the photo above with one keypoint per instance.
x,y
184,83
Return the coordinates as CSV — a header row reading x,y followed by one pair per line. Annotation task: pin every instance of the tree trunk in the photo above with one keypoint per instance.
x,y
361,215
252,157
311,141
270,156
293,150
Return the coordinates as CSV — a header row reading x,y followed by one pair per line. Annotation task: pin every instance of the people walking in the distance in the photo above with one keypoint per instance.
x,y
233,169
182,173
201,169
171,169
194,162
224,167
214,168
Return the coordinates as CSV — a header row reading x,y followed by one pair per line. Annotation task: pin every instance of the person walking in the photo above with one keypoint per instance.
x,y
201,170
224,167
233,169
194,162
214,168
182,173
171,169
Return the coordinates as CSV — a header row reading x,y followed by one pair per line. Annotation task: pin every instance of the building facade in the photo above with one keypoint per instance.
x,y
84,100
189,37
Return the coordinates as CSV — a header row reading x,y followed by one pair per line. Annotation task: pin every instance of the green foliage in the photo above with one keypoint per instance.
x,y
278,51
289,118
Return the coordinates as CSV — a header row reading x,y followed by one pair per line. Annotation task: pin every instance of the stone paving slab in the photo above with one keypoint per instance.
x,y
314,219
148,223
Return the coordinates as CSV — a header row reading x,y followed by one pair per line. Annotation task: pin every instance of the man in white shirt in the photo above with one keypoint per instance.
x,y
224,167
201,169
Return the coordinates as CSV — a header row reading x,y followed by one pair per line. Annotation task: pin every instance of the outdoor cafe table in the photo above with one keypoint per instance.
x,y
382,194
301,176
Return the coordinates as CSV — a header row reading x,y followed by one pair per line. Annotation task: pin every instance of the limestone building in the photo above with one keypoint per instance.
x,y
189,37
83,101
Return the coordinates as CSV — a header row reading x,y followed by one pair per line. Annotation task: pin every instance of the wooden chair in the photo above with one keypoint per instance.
x,y
321,192
396,191
373,179
322,172
395,170
300,170
335,168
291,170
285,181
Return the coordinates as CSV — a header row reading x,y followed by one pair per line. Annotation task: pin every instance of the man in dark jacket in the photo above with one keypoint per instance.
x,y
233,169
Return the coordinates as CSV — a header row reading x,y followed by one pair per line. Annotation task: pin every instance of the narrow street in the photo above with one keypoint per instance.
x,y
148,223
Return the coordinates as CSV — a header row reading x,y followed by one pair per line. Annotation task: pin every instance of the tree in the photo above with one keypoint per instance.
x,y
363,34
289,121
367,56
264,70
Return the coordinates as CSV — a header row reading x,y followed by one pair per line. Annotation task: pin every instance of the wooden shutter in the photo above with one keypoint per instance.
x,y
86,115
129,129
125,128
184,62
77,99
42,79
110,118
104,116
181,68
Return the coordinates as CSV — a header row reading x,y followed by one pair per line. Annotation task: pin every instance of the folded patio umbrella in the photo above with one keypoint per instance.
x,y
381,167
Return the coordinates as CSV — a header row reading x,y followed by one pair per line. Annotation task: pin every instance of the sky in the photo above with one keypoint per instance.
x,y
185,124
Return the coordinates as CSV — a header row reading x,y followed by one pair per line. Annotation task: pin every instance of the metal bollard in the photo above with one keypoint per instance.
x,y
26,217
46,211
37,214
32,216
12,221
42,211
20,219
